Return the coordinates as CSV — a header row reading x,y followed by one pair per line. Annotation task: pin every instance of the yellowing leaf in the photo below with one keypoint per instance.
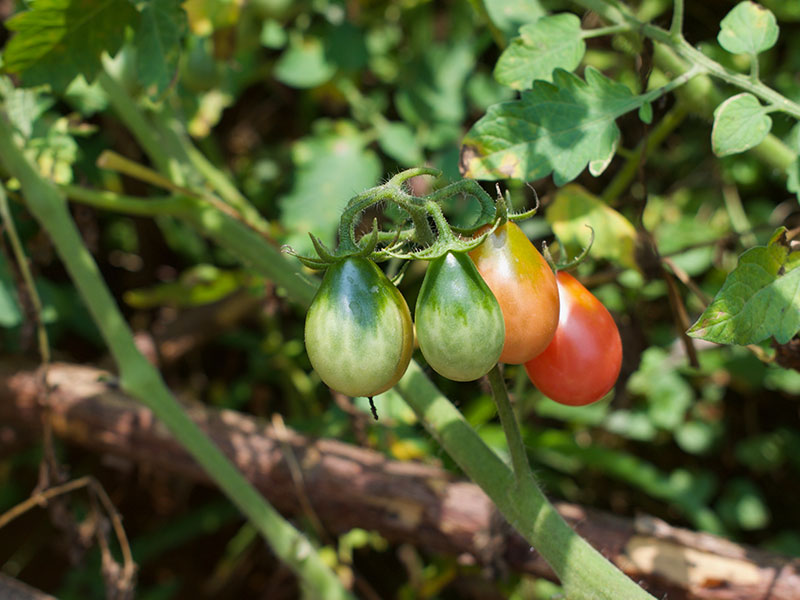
x,y
574,208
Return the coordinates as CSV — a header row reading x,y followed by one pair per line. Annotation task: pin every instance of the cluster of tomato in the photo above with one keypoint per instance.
x,y
502,303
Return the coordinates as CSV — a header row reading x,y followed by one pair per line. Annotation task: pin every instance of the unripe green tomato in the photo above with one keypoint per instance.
x,y
459,322
358,334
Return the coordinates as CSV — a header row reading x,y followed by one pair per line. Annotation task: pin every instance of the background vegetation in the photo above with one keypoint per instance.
x,y
304,104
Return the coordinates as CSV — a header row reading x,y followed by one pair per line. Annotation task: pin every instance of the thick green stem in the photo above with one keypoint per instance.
x,y
584,572
140,379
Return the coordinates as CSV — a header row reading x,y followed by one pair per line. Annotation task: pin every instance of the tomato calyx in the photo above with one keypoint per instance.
x,y
426,234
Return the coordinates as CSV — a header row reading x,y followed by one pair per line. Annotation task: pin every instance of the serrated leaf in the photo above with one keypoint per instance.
x,y
555,127
759,299
740,123
748,29
158,43
57,40
574,208
549,43
331,168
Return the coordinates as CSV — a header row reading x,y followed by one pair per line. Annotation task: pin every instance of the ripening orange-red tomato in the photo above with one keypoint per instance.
x,y
525,288
583,360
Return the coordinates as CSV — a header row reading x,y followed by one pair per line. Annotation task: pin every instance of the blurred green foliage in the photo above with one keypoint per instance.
x,y
305,104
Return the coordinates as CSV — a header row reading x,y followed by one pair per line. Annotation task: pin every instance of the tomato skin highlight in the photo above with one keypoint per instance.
x,y
583,361
459,322
358,330
525,288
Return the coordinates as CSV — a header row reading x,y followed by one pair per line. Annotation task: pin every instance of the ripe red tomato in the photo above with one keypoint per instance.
x,y
582,362
525,288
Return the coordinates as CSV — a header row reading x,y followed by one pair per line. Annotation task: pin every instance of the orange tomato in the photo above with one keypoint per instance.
x,y
525,288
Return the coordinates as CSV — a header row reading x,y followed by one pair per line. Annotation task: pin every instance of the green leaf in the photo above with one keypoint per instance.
x,y
557,127
399,141
510,15
550,43
23,106
304,64
748,29
158,43
668,394
57,40
739,124
331,168
760,298
432,90
574,208
742,505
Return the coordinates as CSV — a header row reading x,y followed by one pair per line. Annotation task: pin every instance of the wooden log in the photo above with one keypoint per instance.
x,y
13,589
347,486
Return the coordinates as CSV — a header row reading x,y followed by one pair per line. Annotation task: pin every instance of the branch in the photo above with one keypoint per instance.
x,y
351,487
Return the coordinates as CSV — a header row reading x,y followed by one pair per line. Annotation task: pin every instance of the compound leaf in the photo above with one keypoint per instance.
x,y
739,124
760,298
56,40
549,43
557,127
748,29
158,43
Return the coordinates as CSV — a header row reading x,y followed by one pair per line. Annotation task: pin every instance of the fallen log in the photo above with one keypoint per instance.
x,y
345,486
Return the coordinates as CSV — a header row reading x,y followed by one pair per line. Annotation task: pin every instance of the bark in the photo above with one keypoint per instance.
x,y
342,486
13,589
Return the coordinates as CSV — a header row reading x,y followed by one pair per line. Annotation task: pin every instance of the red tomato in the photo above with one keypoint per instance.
x,y
525,288
582,362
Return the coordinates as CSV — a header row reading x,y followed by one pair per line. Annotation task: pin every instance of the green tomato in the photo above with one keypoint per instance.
x,y
460,325
358,334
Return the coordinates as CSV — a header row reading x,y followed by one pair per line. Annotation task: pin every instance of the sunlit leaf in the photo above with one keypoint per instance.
x,y
557,127
57,40
549,43
748,29
740,123
759,299
574,208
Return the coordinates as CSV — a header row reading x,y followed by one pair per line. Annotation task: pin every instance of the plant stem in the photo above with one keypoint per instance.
x,y
141,128
27,276
601,31
584,572
224,229
660,132
141,380
516,447
676,28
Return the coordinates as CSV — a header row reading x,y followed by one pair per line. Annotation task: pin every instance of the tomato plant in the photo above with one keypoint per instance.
x,y
358,330
583,360
459,322
525,288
